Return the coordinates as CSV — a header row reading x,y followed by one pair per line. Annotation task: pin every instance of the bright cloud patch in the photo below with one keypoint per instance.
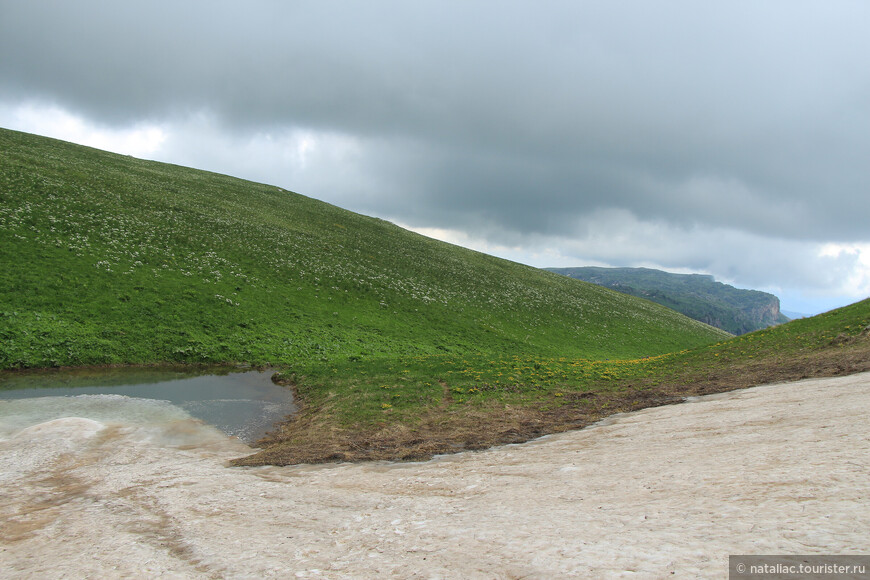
x,y
138,140
857,281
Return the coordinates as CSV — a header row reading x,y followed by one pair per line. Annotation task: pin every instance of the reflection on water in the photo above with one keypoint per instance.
x,y
241,404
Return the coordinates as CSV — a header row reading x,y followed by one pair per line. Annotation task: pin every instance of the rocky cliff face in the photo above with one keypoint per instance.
x,y
767,314
761,313
697,296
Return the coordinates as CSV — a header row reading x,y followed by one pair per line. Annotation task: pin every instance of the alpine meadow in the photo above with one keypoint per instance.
x,y
397,346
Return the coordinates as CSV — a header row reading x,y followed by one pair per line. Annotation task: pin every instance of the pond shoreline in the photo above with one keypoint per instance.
x,y
311,436
240,401
4,373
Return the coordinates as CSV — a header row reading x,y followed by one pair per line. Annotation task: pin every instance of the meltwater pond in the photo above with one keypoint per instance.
x,y
244,404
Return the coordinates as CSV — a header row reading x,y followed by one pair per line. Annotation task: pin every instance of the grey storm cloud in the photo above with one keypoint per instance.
x,y
526,117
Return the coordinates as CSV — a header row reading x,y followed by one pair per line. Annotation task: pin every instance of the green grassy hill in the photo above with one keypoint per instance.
x,y
111,259
695,295
396,345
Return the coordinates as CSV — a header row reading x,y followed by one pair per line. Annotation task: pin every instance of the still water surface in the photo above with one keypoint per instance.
x,y
243,404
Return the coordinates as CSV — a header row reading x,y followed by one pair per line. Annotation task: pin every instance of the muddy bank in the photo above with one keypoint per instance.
x,y
673,489
311,436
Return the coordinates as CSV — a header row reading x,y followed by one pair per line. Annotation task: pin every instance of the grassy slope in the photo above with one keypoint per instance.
x,y
483,402
398,345
110,259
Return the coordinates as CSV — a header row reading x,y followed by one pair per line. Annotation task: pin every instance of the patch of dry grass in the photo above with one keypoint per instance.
x,y
313,437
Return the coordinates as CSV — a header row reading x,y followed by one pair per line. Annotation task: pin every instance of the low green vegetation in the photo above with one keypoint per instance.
x,y
413,407
475,379
109,259
397,346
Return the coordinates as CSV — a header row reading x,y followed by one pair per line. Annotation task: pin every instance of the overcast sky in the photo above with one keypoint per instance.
x,y
729,138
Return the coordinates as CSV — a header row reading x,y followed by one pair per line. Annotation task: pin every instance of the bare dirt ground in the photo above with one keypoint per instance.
x,y
663,492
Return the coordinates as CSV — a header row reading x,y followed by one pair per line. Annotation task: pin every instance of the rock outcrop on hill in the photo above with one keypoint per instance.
x,y
697,296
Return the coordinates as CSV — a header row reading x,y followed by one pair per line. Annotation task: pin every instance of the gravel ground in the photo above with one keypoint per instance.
x,y
664,492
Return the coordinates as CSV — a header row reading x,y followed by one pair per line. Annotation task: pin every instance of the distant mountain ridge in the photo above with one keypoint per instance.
x,y
698,296
795,315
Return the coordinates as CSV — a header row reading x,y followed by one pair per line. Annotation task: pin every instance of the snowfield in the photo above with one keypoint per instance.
x,y
663,492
